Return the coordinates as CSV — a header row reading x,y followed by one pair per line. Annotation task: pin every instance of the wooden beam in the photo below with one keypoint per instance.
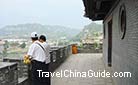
x,y
97,9
102,0
98,5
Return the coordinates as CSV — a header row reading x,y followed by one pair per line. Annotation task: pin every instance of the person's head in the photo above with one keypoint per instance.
x,y
34,36
42,38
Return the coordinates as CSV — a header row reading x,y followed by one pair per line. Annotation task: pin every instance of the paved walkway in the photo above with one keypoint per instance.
x,y
82,63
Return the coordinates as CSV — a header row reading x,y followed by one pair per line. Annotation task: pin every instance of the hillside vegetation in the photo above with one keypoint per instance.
x,y
24,30
90,29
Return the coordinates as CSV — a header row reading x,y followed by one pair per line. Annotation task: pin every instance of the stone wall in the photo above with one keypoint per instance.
x,y
90,48
8,74
124,51
58,56
22,68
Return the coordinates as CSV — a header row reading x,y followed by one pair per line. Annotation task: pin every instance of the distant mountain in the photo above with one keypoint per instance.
x,y
24,30
91,29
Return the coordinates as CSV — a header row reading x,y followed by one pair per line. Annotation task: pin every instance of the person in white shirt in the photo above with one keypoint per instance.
x,y
47,48
39,61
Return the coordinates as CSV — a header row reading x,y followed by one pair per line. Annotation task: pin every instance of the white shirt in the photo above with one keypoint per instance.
x,y
37,53
47,49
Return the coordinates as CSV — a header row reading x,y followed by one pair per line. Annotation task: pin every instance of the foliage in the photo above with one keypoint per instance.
x,y
23,45
4,53
14,44
93,29
24,31
96,45
6,46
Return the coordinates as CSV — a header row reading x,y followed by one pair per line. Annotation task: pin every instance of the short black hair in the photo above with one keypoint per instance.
x,y
42,37
34,38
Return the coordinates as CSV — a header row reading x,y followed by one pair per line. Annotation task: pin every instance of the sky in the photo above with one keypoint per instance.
x,y
48,12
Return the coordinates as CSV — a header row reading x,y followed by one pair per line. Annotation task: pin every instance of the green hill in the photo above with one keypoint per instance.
x,y
24,30
92,28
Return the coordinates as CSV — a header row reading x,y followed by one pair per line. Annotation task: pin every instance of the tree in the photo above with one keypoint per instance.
x,y
23,45
96,45
6,45
4,52
14,44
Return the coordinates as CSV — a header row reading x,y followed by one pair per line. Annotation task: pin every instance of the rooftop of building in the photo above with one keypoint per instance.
x,y
97,9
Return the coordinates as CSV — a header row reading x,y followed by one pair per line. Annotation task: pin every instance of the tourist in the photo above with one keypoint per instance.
x,y
39,61
46,49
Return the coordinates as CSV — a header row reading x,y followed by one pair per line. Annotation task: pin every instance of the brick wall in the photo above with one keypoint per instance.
x,y
124,52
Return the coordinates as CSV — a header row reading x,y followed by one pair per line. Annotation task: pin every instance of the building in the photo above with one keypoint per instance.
x,y
120,43
20,41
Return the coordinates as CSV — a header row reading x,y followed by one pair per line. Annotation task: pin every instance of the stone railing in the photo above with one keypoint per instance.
x,y
22,68
8,73
58,56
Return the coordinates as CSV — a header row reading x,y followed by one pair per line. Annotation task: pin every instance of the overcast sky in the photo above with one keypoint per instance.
x,y
51,12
